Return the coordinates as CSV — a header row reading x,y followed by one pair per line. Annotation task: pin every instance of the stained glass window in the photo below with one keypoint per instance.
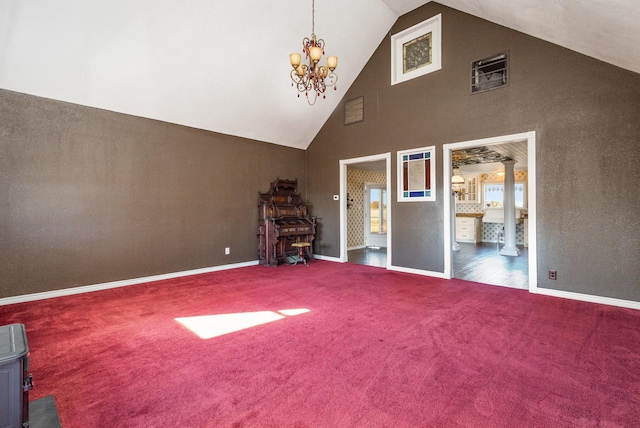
x,y
416,175
417,53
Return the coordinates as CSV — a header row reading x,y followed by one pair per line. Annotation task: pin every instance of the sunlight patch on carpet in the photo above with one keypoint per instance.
x,y
294,312
210,326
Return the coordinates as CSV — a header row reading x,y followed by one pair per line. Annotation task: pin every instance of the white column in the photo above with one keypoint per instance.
x,y
509,203
454,245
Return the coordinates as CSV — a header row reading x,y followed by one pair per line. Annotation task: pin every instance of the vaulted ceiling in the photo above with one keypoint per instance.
x,y
223,65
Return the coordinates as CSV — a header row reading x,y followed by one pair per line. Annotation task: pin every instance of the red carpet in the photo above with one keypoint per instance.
x,y
375,349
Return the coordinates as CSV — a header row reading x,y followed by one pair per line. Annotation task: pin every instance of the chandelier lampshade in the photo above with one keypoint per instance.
x,y
457,181
312,79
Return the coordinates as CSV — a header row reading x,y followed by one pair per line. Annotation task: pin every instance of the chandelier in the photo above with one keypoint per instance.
x,y
313,79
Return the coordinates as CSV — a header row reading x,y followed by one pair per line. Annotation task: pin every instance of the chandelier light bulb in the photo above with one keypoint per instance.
x,y
316,53
332,62
295,59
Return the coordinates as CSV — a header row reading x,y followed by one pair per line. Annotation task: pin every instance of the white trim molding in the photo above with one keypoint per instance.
x,y
344,163
530,138
327,258
423,160
115,284
430,28
629,304
418,272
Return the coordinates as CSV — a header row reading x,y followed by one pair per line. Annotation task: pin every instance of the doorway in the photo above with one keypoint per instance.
x,y
365,215
375,215
484,255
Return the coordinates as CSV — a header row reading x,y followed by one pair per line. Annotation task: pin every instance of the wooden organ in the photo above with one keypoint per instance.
x,y
283,219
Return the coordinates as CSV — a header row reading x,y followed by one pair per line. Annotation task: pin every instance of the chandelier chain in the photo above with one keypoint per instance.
x,y
313,17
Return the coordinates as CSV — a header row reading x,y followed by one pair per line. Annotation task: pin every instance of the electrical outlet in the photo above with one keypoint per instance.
x,y
553,274
227,251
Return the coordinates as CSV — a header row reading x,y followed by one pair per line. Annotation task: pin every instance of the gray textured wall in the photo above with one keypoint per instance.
x,y
585,113
90,196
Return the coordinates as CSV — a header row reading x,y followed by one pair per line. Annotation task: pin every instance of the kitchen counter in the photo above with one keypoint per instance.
x,y
472,215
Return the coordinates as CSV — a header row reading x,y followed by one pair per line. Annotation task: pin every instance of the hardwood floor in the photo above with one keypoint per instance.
x,y
368,256
483,263
474,262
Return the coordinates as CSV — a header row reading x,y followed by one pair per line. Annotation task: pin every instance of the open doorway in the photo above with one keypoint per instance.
x,y
365,214
375,212
472,249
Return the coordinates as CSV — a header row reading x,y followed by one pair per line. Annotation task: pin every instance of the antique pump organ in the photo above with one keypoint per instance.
x,y
283,220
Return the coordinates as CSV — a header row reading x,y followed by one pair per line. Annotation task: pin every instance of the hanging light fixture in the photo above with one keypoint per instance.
x,y
457,181
313,79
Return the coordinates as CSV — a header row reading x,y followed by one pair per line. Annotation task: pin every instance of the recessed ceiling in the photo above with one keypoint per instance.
x,y
484,158
475,156
223,65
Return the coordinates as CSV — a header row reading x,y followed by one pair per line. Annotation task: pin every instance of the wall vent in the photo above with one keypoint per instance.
x,y
489,73
354,111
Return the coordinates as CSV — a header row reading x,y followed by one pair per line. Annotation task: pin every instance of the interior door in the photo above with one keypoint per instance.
x,y
376,215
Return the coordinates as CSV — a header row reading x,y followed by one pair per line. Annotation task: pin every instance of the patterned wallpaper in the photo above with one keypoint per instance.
x,y
492,176
491,232
356,180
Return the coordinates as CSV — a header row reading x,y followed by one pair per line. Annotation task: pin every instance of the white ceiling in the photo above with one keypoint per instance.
x,y
223,65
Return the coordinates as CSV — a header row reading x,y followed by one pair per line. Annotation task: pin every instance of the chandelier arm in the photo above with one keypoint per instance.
x,y
306,43
319,85
331,79
302,83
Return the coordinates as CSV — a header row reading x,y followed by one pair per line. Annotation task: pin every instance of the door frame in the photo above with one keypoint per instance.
x,y
530,138
344,163
369,237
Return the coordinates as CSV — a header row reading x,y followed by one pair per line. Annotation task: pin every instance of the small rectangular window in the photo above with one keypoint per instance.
x,y
417,53
489,73
494,194
417,175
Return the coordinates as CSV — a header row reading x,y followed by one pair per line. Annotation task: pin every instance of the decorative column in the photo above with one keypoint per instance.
x,y
454,245
509,203
457,185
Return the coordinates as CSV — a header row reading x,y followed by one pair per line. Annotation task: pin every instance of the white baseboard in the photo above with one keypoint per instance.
x,y
115,284
630,304
418,271
123,283
327,258
357,247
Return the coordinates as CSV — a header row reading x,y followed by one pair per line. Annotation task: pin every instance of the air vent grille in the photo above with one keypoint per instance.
x,y
489,73
354,111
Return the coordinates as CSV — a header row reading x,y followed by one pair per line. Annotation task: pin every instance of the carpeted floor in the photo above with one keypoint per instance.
x,y
331,345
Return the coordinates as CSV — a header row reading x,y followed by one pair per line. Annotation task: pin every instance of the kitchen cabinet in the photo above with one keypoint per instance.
x,y
469,229
470,192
